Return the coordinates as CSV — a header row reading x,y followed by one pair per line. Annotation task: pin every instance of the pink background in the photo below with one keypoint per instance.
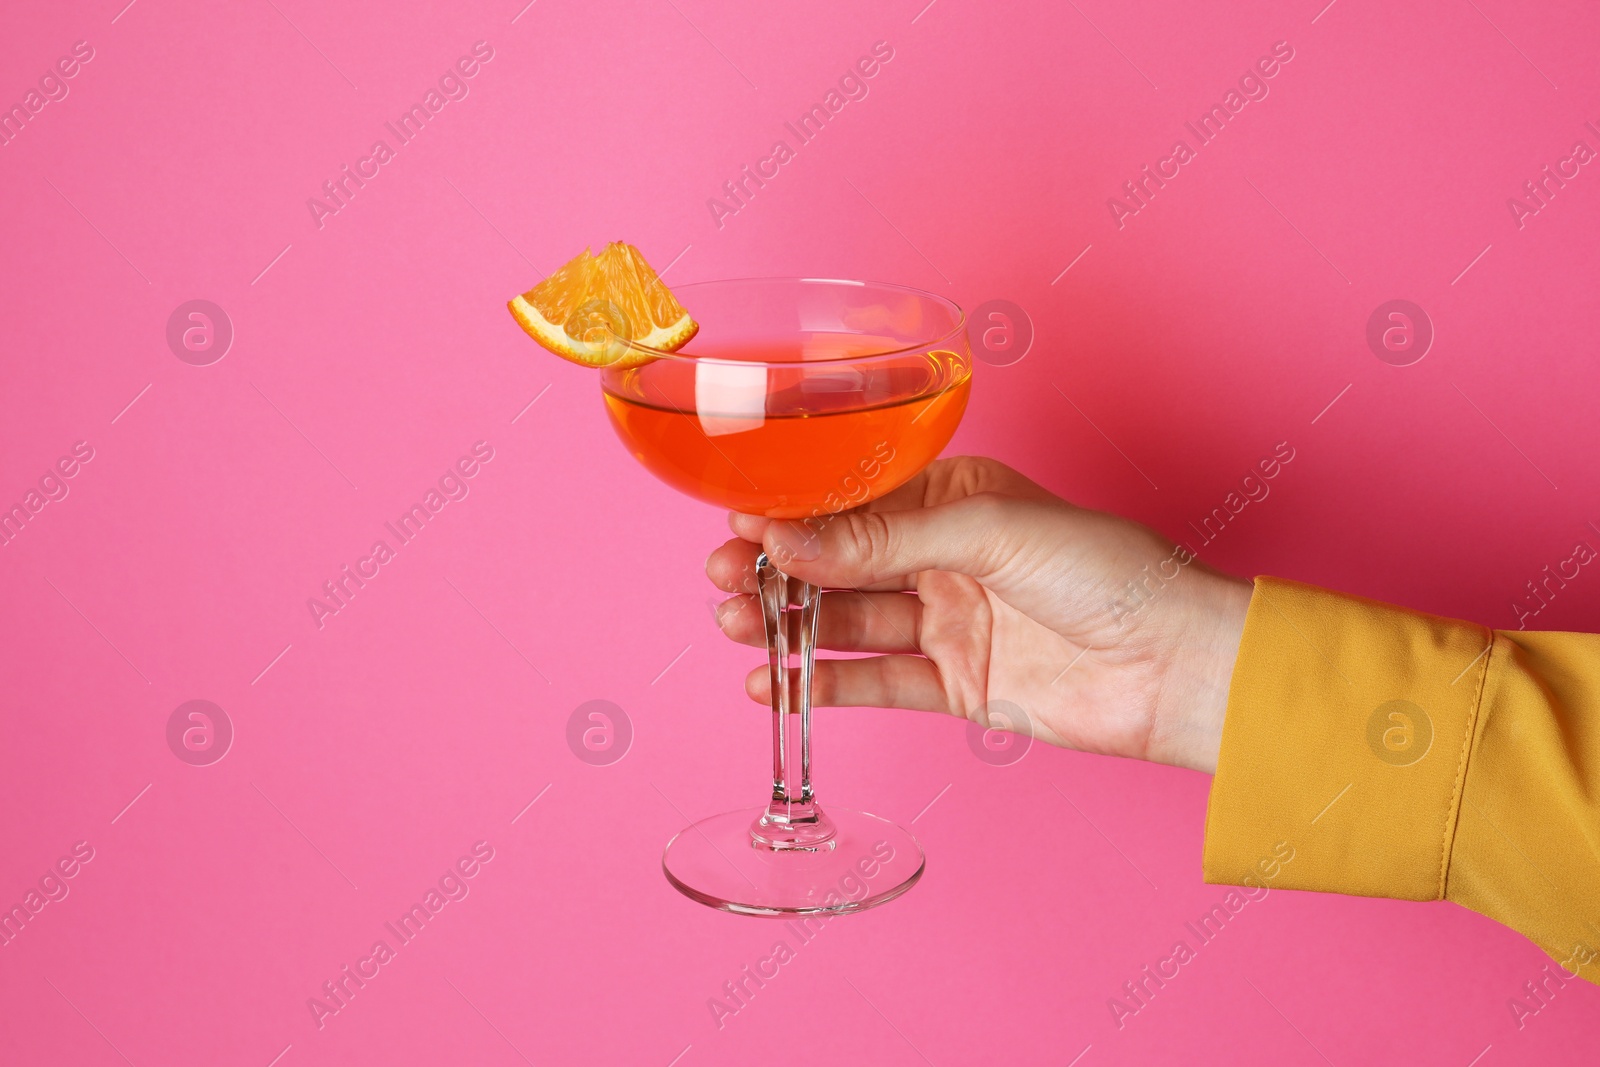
x,y
374,351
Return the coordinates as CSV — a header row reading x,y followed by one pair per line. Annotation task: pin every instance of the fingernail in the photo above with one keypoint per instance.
x,y
791,540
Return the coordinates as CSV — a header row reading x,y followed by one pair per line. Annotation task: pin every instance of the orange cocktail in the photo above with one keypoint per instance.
x,y
789,430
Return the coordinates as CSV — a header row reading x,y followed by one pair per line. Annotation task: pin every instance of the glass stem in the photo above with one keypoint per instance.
x,y
793,819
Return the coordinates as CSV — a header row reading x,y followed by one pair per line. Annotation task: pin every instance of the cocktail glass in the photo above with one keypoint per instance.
x,y
798,399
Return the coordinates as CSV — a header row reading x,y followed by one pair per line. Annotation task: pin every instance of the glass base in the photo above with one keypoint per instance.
x,y
868,861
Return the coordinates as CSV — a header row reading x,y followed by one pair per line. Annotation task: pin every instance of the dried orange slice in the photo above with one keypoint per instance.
x,y
588,310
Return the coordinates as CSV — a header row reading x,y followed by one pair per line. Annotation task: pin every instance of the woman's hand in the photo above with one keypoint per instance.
x,y
972,585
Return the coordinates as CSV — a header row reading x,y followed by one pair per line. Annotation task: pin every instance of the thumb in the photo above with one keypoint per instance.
x,y
975,536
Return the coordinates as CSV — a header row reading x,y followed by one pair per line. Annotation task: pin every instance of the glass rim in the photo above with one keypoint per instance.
x,y
959,315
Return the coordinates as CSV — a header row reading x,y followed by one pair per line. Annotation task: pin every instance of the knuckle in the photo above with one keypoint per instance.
x,y
824,687
971,475
968,473
858,622
866,538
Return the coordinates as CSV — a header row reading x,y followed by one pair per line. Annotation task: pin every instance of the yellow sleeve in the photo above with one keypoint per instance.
x,y
1389,753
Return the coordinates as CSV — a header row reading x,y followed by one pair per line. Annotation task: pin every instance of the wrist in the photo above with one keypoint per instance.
x,y
1203,645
